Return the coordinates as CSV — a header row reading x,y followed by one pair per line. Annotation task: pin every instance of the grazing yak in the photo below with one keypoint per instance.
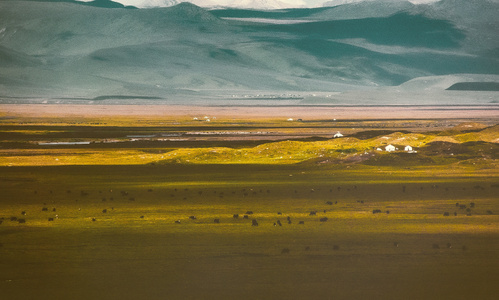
x,y
254,222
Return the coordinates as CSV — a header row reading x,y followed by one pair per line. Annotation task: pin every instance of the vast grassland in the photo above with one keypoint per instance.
x,y
136,218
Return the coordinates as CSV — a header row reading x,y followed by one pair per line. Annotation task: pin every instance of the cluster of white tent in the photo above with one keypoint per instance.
x,y
389,148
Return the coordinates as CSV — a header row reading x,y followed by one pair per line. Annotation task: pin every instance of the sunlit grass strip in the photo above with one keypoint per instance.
x,y
59,158
284,152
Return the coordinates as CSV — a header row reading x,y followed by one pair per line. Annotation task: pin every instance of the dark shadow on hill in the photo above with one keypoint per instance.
x,y
474,86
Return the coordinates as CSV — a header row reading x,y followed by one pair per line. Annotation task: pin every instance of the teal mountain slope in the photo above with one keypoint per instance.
x,y
65,50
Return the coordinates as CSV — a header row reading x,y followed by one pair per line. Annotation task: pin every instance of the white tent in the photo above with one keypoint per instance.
x,y
390,148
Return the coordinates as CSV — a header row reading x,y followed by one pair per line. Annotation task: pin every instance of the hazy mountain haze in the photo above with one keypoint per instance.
x,y
182,53
261,4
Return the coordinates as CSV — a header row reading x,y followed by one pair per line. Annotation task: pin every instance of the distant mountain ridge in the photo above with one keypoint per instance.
x,y
63,50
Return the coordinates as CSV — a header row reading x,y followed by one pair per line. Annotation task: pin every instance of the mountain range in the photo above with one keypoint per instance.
x,y
58,49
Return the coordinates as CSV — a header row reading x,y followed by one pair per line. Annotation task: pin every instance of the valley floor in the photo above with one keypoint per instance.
x,y
391,226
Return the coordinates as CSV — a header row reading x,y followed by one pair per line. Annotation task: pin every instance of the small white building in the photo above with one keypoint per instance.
x,y
338,135
390,148
408,148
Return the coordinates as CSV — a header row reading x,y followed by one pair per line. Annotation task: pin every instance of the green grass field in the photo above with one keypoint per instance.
x,y
121,225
